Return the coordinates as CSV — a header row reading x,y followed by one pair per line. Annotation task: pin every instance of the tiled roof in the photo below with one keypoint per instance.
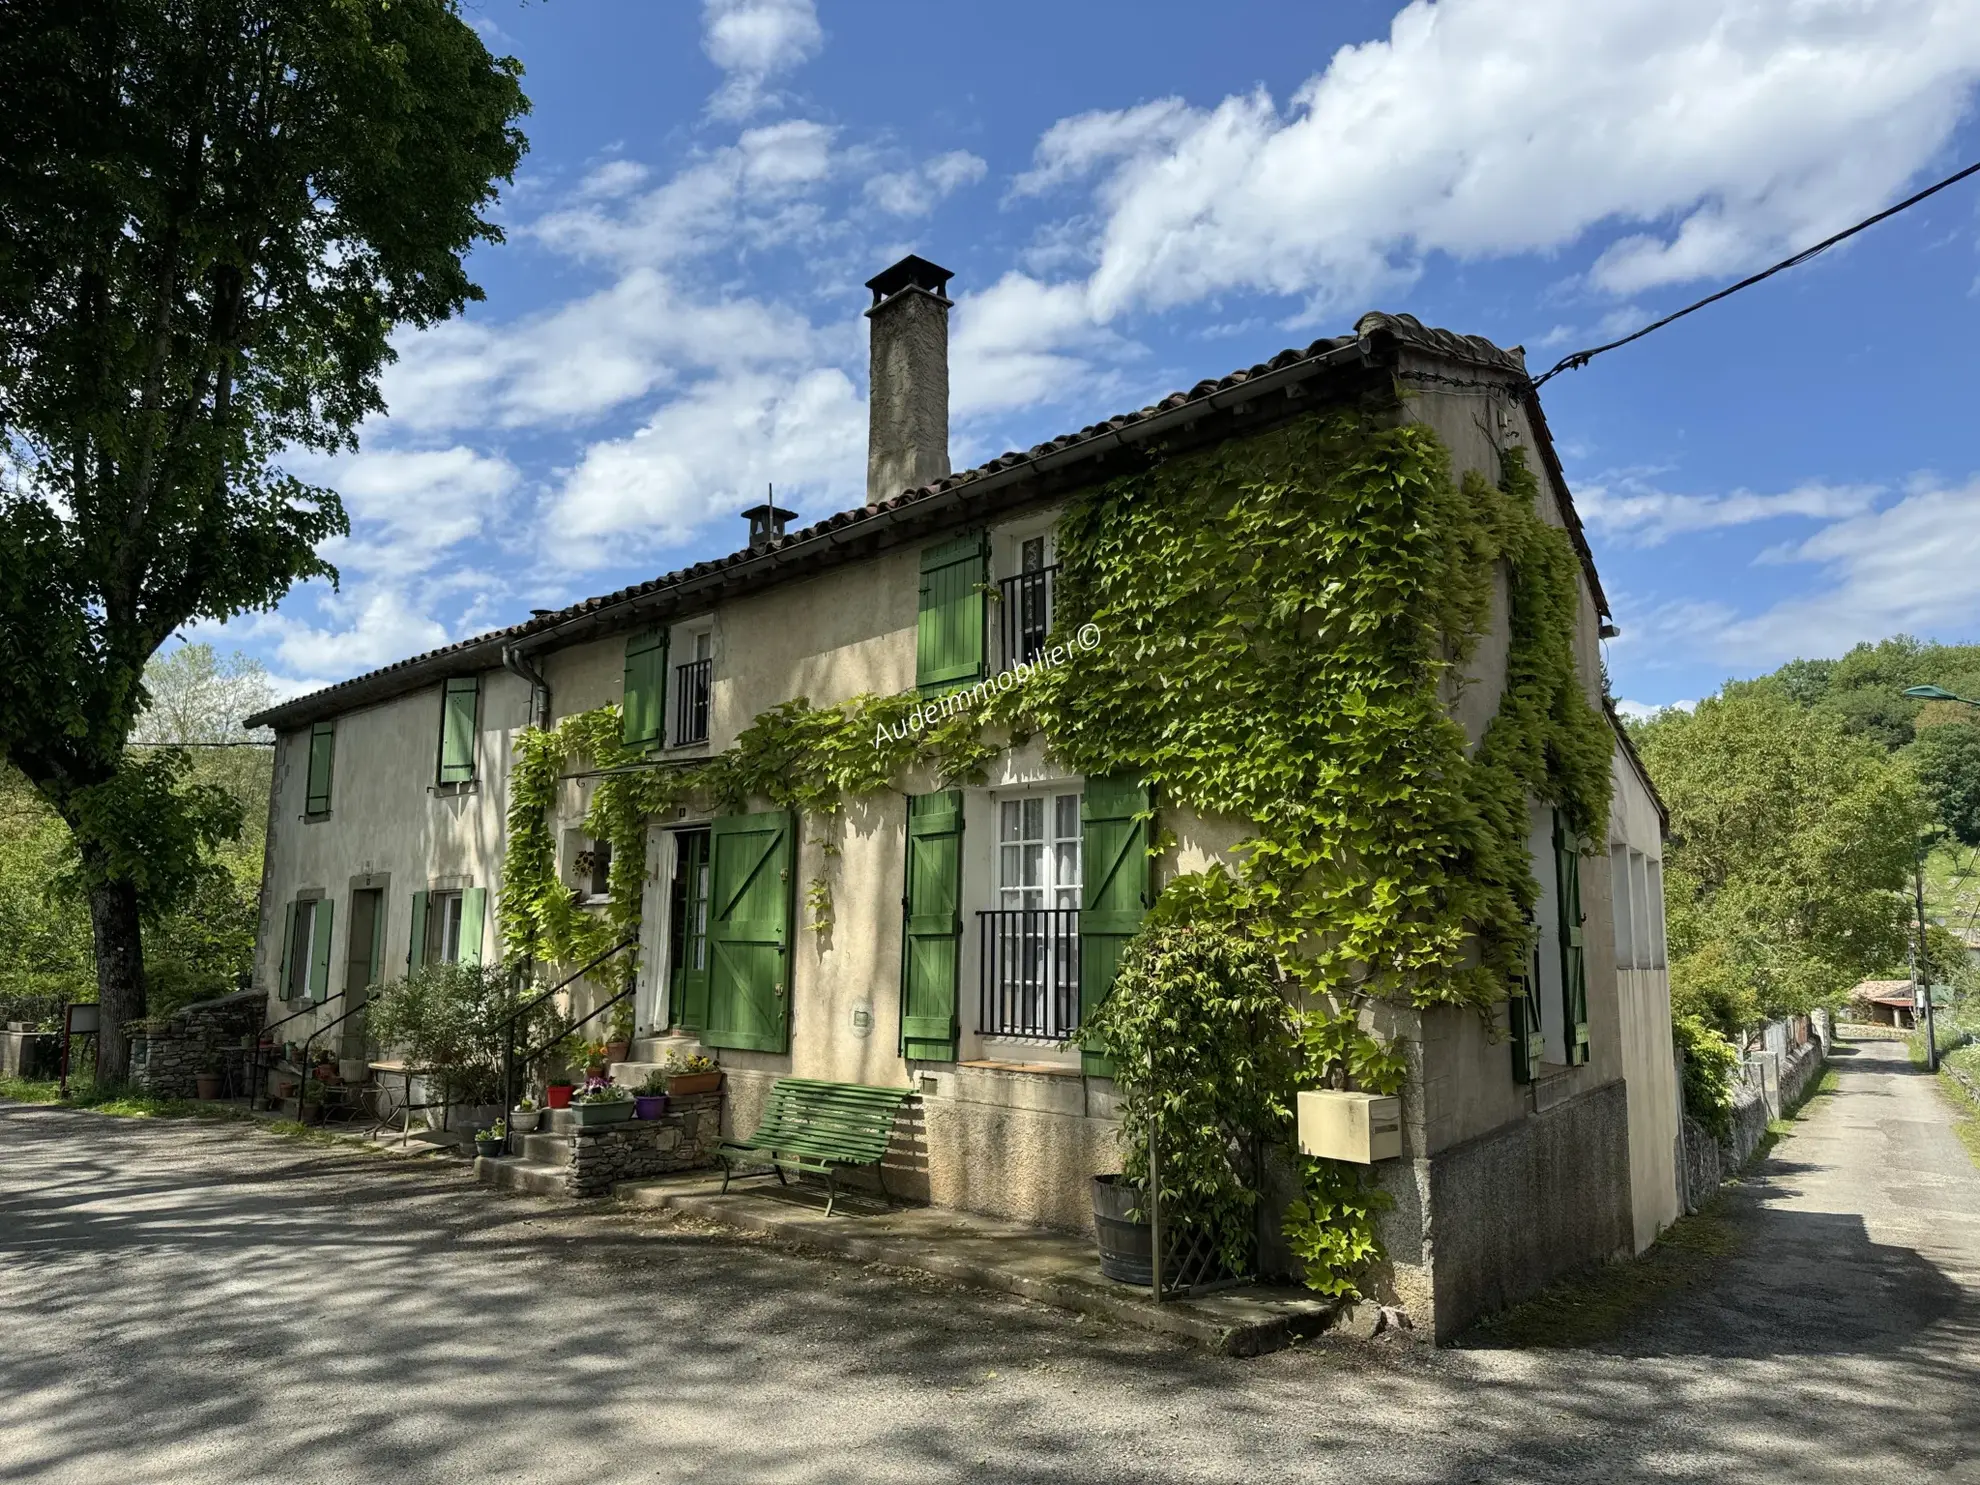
x,y
1369,329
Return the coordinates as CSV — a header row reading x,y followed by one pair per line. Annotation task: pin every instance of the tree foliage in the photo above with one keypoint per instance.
x,y
1792,844
214,215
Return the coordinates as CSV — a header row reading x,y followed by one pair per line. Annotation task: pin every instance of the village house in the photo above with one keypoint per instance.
x,y
972,927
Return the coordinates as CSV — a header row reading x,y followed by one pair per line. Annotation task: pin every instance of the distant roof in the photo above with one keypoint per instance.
x,y
1872,989
1376,334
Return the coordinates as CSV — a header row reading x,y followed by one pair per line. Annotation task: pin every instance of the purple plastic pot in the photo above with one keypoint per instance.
x,y
647,1106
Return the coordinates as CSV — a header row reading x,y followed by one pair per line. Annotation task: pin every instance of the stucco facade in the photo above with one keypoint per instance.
x,y
1010,1124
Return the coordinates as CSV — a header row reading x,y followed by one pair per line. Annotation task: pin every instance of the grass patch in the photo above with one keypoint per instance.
x,y
116,1099
1597,1306
1966,1112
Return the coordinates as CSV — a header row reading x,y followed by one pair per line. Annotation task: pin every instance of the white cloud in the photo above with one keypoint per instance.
x,y
915,192
752,41
384,626
409,508
1626,506
708,455
1643,711
1019,342
1726,132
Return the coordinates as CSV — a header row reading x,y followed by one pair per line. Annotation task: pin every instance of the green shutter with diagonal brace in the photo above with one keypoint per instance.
x,y
288,950
318,988
644,714
416,949
1529,1042
1574,961
474,915
749,932
931,942
948,647
1116,815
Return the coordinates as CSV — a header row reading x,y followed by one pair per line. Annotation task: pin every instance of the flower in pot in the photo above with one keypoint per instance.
x,y
606,1103
492,1141
650,1101
310,1107
689,1075
618,1036
524,1116
207,1081
597,1066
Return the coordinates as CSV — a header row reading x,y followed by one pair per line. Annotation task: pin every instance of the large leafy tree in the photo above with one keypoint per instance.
x,y
213,215
1792,844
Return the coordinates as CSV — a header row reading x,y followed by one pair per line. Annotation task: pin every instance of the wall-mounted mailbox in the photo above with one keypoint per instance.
x,y
1359,1127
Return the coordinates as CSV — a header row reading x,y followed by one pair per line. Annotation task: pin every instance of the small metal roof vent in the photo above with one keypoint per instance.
x,y
766,524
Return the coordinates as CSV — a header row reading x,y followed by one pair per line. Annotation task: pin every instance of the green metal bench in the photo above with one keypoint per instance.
x,y
821,1128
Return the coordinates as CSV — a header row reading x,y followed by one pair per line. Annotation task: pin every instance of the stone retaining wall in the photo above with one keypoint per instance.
x,y
683,1138
1709,1162
197,1036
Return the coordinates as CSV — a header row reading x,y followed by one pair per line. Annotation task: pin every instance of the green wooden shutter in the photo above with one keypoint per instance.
x,y
645,710
749,932
931,947
474,913
1574,962
1529,1042
288,948
457,719
318,988
949,631
322,746
416,947
1115,818
376,970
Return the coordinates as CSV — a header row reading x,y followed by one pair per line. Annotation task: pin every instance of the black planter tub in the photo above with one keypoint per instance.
x,y
1126,1246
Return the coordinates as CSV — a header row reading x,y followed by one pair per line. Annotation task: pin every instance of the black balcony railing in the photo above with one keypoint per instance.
x,y
1025,614
1030,959
691,701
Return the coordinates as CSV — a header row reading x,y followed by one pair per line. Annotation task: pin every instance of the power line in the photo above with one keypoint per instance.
x,y
249,744
1581,358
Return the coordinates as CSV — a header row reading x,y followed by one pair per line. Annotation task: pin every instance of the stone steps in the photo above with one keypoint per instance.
x,y
514,1173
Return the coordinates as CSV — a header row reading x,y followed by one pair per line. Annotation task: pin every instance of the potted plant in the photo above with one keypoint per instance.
x,y
207,1080
557,1093
650,1102
309,1108
492,1141
690,1075
618,1036
524,1116
597,1066
605,1104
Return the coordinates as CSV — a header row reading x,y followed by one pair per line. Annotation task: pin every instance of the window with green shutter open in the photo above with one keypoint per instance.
x,y
644,712
457,721
949,623
322,748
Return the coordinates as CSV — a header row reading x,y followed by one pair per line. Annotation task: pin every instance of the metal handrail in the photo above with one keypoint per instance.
x,y
691,683
258,1068
311,1041
509,1025
1025,613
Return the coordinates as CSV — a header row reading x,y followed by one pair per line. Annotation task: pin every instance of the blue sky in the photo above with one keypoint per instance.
x,y
1136,196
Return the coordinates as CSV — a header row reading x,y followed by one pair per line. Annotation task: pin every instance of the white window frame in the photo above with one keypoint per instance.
x,y
683,644
443,927
302,950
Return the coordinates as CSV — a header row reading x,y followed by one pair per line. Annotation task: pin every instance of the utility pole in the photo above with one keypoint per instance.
x,y
1924,966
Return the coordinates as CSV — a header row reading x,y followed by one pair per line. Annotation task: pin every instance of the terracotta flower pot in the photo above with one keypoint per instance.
x,y
208,1084
558,1095
681,1085
617,1051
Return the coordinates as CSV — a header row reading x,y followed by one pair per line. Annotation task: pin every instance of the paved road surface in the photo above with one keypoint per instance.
x,y
193,1303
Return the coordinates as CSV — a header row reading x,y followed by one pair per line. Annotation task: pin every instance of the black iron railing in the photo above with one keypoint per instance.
x,y
1025,614
1030,974
260,1065
511,1062
691,701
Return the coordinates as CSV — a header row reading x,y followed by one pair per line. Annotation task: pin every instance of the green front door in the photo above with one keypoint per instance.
x,y
749,931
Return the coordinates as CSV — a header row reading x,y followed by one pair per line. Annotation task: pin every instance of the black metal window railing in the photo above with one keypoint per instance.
x,y
1025,614
1030,974
691,701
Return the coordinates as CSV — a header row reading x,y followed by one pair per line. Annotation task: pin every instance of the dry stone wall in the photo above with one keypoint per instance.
x,y
205,1034
683,1138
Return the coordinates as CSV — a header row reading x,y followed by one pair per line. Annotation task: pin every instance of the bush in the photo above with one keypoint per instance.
x,y
1709,1064
449,1017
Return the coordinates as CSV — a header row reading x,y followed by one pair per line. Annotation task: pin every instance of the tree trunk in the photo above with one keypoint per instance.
x,y
113,920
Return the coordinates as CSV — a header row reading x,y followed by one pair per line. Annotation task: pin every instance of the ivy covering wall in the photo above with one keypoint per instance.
x,y
1285,621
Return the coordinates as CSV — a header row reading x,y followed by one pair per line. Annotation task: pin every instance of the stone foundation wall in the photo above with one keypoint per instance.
x,y
683,1138
197,1036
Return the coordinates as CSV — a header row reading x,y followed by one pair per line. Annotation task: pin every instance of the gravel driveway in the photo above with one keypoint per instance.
x,y
194,1302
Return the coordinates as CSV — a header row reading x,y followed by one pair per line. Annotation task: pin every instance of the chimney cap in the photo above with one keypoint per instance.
x,y
766,523
912,272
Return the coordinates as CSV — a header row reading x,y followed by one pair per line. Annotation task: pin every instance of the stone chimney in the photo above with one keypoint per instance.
x,y
908,397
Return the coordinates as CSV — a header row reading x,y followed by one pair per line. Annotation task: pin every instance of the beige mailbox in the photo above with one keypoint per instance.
x,y
1360,1127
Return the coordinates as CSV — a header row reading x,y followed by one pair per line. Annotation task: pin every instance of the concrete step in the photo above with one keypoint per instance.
x,y
633,1075
654,1049
510,1173
544,1149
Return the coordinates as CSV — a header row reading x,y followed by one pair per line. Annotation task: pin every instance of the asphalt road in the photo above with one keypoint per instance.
x,y
190,1302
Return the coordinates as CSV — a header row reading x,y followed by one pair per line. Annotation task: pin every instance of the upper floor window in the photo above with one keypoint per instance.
x,y
459,703
1025,613
1030,940
322,749
646,693
692,682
